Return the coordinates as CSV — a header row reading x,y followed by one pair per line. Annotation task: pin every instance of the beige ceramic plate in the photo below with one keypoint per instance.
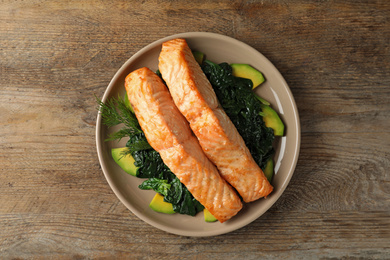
x,y
218,48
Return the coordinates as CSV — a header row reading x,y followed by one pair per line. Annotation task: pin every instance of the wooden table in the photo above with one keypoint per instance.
x,y
56,55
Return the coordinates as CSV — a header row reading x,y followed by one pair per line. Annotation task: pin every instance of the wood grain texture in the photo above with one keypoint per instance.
x,y
113,235
56,55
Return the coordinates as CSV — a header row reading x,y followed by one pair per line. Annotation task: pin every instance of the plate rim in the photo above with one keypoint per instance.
x,y
135,211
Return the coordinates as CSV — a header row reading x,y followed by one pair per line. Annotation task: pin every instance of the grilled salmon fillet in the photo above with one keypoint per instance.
x,y
168,132
220,140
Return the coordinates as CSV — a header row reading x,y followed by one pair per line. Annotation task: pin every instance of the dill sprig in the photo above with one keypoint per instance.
x,y
124,132
114,112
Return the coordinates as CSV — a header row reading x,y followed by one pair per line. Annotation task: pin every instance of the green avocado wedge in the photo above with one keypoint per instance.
x,y
248,72
125,162
199,56
208,217
272,120
159,205
269,169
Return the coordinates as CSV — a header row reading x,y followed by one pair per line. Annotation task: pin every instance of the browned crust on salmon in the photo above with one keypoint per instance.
x,y
220,140
168,132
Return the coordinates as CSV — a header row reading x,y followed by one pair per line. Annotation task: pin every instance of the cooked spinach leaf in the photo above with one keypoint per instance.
x,y
243,108
151,166
182,200
158,185
175,193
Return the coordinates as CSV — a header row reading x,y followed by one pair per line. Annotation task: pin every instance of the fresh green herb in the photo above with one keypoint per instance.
x,y
116,112
124,132
243,108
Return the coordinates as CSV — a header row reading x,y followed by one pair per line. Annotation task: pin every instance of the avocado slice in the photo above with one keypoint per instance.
x,y
269,169
199,56
272,119
158,204
248,72
208,217
125,162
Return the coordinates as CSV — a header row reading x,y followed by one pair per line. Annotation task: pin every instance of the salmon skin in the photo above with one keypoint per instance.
x,y
168,132
217,135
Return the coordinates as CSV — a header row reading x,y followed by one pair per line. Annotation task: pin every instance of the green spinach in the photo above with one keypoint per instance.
x,y
243,108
